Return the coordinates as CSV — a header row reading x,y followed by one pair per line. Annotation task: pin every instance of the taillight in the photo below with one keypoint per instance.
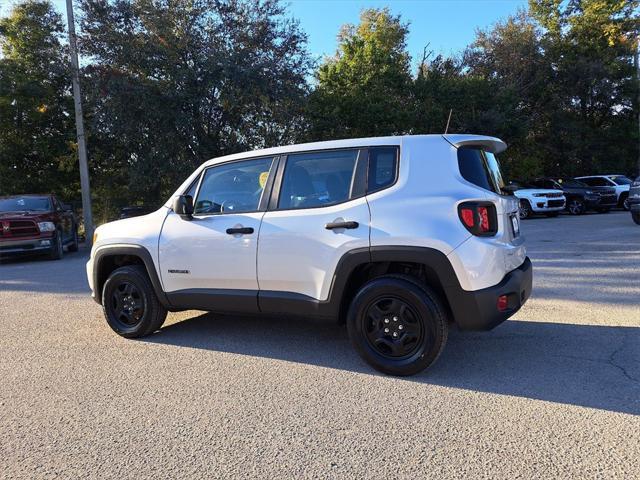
x,y
480,218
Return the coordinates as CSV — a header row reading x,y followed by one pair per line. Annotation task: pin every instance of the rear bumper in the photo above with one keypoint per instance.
x,y
20,246
478,310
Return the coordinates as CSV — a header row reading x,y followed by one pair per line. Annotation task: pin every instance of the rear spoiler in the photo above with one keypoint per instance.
x,y
490,144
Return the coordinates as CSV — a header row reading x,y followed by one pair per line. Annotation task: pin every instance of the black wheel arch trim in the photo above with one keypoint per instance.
x,y
471,310
130,250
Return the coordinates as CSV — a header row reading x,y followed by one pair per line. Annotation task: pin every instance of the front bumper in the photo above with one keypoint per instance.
x,y
478,310
544,206
25,246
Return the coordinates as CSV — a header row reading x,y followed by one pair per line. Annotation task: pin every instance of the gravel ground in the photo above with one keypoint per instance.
x,y
553,393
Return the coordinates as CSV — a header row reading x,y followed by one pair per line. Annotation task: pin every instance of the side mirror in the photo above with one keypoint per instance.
x,y
183,206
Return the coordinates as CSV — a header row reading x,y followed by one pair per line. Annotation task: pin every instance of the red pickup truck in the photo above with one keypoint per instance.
x,y
36,224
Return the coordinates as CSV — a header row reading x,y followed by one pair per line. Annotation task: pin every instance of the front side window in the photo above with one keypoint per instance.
x,y
233,187
317,179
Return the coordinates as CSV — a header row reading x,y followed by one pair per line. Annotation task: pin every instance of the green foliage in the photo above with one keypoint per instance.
x,y
172,84
364,89
36,111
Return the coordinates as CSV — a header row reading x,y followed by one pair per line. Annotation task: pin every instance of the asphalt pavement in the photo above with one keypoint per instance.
x,y
552,393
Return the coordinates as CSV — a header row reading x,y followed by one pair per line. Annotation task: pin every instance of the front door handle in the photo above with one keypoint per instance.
x,y
334,225
240,230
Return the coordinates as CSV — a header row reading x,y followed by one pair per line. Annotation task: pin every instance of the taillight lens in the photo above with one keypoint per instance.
x,y
480,218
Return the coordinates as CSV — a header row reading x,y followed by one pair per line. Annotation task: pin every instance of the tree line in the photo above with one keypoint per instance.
x,y
169,84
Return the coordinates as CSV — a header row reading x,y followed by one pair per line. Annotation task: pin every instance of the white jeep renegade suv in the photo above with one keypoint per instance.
x,y
398,236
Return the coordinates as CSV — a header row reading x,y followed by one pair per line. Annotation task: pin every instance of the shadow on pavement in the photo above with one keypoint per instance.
x,y
589,366
39,274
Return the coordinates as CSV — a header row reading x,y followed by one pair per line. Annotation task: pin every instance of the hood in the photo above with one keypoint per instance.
x,y
27,215
531,191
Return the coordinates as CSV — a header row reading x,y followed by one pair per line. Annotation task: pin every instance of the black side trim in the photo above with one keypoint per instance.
x,y
134,251
215,300
471,310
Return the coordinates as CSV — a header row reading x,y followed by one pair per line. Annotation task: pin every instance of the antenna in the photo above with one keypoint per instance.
x,y
448,120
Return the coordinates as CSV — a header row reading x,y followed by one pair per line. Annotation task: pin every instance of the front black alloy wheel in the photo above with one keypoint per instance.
x,y
130,304
397,325
575,206
74,244
57,249
525,209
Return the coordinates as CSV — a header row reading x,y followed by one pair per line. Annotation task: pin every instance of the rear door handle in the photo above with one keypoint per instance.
x,y
240,230
334,225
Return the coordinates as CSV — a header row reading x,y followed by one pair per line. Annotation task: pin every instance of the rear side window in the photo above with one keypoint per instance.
x,y
383,167
317,179
480,168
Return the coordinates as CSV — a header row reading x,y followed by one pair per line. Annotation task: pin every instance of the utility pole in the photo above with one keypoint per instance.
x,y
82,147
637,61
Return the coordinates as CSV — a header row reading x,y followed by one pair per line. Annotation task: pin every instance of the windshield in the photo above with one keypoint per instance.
x,y
22,204
570,182
620,180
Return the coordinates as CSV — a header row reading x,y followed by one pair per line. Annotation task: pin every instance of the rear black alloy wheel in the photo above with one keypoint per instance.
x,y
397,325
392,327
130,304
525,209
576,206
625,203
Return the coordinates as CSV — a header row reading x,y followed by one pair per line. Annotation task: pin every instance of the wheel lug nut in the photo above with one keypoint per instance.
x,y
400,327
386,320
386,330
395,319
395,334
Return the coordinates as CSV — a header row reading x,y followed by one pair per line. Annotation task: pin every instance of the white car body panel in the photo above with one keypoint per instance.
x,y
298,254
212,258
143,231
292,251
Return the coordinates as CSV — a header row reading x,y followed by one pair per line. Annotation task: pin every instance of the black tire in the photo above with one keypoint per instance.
x,y
57,250
130,304
552,214
624,201
636,217
575,206
525,209
73,247
400,306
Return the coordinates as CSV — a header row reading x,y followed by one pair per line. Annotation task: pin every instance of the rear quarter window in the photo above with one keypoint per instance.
x,y
480,168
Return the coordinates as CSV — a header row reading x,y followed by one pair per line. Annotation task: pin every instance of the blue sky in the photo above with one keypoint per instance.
x,y
446,25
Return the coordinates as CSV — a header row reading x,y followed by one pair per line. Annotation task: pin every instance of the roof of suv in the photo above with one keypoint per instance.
x,y
490,144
